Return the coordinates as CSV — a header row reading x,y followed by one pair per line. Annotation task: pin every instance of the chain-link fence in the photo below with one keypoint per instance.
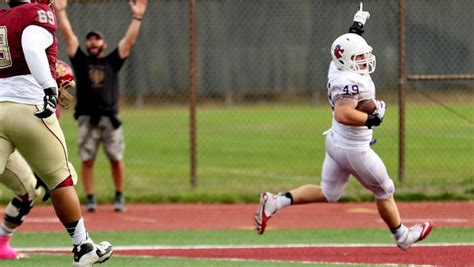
x,y
277,53
261,83
274,47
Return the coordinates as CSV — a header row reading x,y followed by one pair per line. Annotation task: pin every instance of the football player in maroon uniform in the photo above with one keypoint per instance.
x,y
28,100
19,177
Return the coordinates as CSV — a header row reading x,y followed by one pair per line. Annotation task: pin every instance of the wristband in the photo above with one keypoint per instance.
x,y
357,28
137,18
50,91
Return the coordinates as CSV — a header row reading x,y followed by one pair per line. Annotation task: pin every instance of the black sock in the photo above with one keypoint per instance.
x,y
71,227
394,230
288,195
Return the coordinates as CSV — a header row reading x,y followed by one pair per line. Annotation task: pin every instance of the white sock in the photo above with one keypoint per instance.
x,y
400,231
283,201
80,233
6,231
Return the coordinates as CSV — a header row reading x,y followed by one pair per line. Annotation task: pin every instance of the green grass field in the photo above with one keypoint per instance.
x,y
229,237
243,150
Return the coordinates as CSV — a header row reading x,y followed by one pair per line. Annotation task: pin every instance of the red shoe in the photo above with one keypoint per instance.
x,y
265,210
414,234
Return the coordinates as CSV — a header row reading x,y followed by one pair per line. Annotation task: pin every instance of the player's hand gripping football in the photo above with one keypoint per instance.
x,y
376,118
50,100
380,108
361,16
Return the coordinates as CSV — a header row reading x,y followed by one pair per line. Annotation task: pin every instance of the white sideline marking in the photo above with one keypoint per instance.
x,y
122,248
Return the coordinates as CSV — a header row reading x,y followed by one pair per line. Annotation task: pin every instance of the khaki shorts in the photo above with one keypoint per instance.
x,y
90,136
40,141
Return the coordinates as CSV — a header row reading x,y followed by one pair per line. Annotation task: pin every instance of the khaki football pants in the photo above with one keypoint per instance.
x,y
19,177
40,141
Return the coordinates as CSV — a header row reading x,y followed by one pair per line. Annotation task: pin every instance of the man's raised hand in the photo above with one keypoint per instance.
x,y
138,7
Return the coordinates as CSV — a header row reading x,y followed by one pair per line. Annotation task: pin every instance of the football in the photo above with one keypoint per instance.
x,y
366,106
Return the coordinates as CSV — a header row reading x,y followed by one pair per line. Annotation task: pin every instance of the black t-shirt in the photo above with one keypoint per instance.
x,y
97,83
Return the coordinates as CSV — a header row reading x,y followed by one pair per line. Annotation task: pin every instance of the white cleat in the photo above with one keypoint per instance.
x,y
87,253
414,234
266,208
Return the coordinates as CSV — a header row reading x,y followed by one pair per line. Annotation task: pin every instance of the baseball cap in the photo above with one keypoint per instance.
x,y
96,33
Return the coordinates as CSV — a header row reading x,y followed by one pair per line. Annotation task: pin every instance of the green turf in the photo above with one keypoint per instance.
x,y
242,237
229,237
243,150
121,261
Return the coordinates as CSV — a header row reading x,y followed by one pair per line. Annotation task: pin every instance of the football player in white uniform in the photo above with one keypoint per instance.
x,y
348,150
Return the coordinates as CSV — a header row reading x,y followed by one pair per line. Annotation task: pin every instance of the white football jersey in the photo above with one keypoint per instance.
x,y
22,89
360,86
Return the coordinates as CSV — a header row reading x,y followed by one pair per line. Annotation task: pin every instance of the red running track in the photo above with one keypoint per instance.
x,y
455,255
221,217
436,255
335,215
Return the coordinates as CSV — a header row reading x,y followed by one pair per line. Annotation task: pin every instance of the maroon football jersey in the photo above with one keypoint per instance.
x,y
12,23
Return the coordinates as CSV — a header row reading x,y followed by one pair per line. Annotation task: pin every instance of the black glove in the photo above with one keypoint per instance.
x,y
50,102
373,120
376,118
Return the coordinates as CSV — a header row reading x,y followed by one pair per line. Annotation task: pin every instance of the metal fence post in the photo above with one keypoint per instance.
x,y
192,90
